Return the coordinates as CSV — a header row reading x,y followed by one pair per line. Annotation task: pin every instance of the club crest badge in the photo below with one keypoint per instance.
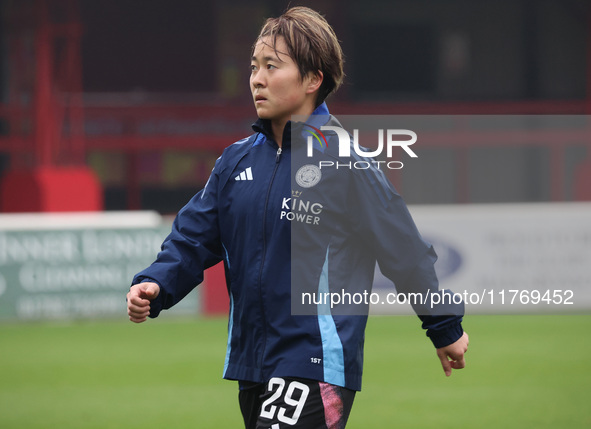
x,y
308,175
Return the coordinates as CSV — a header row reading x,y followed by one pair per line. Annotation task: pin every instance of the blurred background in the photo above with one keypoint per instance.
x,y
136,99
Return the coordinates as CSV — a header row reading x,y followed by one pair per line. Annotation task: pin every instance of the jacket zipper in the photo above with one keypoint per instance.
x,y
264,256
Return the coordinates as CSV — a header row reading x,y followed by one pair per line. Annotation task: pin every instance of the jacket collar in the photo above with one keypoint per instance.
x,y
318,118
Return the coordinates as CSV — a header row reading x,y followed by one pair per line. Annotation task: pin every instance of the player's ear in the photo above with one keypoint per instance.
x,y
314,81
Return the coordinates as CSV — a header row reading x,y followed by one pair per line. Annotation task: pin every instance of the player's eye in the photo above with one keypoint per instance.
x,y
271,66
253,68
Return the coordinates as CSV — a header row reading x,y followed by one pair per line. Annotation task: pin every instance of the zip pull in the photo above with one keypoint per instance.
x,y
278,155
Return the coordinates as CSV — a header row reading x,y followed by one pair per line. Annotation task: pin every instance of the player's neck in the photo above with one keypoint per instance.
x,y
278,127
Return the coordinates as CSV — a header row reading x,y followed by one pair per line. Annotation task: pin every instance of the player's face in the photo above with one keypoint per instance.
x,y
277,88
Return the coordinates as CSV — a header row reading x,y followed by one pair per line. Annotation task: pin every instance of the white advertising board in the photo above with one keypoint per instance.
x,y
76,265
508,258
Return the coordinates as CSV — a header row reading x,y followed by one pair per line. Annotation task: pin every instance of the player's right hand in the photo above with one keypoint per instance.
x,y
138,300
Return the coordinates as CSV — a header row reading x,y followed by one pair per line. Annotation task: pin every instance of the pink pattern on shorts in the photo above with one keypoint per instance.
x,y
333,405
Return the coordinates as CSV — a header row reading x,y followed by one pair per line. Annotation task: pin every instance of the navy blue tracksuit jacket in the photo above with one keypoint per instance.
x,y
276,223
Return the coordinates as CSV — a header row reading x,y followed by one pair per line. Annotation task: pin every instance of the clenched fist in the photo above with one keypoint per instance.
x,y
138,300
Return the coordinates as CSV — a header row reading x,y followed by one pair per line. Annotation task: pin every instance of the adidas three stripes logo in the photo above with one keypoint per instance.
x,y
245,175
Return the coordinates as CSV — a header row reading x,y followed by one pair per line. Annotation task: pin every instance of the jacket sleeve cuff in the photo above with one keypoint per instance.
x,y
446,336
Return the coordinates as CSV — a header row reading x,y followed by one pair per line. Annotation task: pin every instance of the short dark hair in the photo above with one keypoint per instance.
x,y
311,43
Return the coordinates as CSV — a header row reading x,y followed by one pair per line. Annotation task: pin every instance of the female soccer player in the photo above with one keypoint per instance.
x,y
299,371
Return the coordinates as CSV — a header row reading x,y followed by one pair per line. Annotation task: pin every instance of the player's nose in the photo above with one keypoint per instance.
x,y
257,79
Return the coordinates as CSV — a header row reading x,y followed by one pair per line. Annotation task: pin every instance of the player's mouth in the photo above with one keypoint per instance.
x,y
259,99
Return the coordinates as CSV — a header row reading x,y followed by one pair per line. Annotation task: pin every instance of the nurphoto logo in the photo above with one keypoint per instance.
x,y
392,139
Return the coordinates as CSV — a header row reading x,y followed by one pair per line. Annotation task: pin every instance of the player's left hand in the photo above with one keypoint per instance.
x,y
452,356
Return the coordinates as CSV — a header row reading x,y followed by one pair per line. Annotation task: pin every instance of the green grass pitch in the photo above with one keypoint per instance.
x,y
523,371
